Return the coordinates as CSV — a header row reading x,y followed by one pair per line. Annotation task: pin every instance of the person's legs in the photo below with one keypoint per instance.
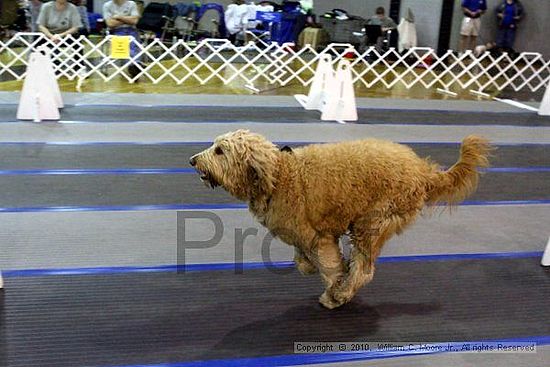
x,y
463,43
501,35
473,43
475,26
510,38
134,47
465,31
133,69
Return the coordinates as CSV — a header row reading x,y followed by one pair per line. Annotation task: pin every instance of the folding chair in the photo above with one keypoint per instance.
x,y
270,24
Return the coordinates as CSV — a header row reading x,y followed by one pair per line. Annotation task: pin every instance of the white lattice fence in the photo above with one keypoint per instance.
x,y
214,59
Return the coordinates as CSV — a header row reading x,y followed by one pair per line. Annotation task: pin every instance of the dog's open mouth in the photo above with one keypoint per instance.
x,y
208,179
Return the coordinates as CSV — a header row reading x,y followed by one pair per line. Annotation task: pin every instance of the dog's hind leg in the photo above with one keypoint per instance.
x,y
368,237
361,269
325,254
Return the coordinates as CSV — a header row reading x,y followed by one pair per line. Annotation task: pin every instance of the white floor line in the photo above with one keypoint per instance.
x,y
302,99
517,104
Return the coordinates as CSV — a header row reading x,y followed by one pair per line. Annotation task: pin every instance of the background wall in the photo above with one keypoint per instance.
x,y
427,14
532,35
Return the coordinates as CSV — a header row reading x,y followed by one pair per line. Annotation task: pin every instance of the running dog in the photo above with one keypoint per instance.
x,y
310,196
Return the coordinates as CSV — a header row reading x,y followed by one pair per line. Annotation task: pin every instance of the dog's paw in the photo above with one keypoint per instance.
x,y
341,297
305,267
328,302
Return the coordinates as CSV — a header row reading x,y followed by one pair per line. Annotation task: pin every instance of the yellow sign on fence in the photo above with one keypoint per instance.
x,y
120,47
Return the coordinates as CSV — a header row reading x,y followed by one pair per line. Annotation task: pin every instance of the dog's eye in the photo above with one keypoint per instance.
x,y
218,151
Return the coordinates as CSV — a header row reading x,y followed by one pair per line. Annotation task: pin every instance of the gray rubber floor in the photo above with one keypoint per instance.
x,y
130,99
116,190
150,132
43,156
282,115
157,318
149,238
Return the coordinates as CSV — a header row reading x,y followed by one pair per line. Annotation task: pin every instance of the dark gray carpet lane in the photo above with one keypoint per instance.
x,y
280,114
141,319
112,190
108,190
113,156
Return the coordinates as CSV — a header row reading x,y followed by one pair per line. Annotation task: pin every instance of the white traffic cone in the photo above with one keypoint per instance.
x,y
544,109
546,256
46,61
341,105
323,82
40,97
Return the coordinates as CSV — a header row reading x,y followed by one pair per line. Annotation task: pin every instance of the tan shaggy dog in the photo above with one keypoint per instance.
x,y
309,197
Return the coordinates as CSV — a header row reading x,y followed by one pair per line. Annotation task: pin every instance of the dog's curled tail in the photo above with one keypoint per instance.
x,y
458,182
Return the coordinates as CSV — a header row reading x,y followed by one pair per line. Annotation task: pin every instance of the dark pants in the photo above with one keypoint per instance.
x,y
506,37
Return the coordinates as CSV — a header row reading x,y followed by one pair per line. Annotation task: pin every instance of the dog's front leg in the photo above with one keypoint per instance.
x,y
303,264
326,255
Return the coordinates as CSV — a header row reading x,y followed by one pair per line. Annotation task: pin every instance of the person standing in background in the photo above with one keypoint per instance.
x,y
471,24
509,14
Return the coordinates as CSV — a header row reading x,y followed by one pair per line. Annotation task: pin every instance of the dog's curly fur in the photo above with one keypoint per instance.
x,y
309,197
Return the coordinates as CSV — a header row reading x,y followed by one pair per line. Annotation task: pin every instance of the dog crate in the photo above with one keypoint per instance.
x,y
342,31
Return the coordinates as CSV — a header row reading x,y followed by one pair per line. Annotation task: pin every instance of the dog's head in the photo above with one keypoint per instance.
x,y
241,162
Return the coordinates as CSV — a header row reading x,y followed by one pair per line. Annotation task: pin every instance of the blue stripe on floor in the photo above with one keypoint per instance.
x,y
340,358
516,169
253,265
234,206
124,208
237,206
114,171
294,104
171,171
504,202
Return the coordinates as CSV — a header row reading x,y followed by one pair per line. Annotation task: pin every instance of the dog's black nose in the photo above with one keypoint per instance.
x,y
193,161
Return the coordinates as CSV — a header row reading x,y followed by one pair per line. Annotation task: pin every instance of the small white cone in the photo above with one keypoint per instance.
x,y
45,60
1,281
40,96
544,109
341,104
321,87
52,80
546,256
27,102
